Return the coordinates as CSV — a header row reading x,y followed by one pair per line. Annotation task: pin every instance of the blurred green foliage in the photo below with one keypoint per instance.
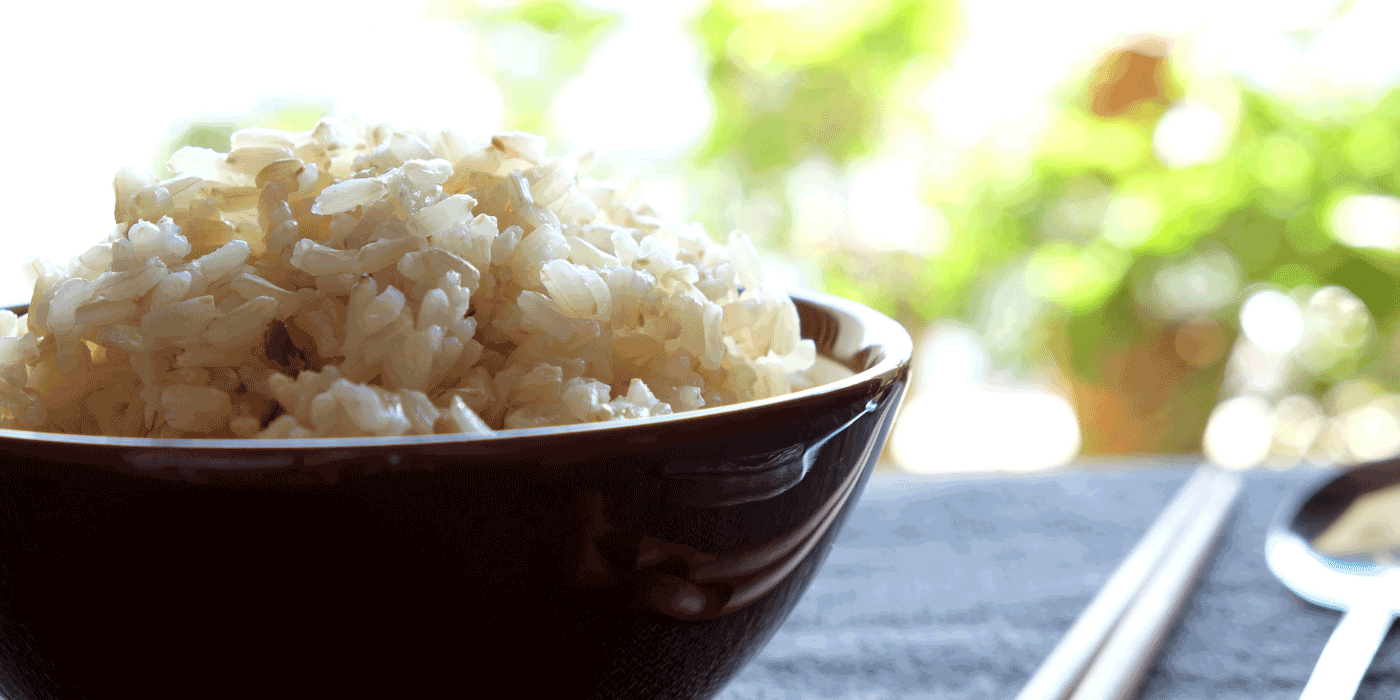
x,y
1267,201
783,93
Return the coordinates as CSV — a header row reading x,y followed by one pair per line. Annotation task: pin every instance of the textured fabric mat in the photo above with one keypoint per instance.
x,y
957,589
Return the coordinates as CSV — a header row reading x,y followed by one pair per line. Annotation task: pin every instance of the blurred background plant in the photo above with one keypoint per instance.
x,y
1113,229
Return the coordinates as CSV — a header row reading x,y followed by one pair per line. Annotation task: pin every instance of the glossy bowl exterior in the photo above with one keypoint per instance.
x,y
647,559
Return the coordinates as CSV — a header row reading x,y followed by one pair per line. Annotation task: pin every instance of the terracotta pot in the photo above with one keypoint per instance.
x,y
1153,396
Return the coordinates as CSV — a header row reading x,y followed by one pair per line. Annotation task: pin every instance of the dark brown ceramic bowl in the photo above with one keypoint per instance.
x,y
642,559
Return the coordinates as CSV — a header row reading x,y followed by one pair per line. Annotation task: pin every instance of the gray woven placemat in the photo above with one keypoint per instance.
x,y
957,589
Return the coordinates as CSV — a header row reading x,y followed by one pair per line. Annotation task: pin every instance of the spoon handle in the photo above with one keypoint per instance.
x,y
1348,654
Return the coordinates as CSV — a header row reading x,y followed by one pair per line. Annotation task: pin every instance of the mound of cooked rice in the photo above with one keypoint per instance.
x,y
352,281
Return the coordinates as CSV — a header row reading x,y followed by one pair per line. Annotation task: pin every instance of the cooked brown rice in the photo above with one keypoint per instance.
x,y
355,281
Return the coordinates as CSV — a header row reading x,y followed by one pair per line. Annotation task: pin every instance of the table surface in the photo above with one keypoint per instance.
x,y
959,588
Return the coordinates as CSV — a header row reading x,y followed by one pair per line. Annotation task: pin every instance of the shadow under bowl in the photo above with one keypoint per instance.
x,y
639,559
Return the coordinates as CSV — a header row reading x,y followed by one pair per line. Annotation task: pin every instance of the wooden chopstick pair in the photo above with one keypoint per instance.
x,y
1110,648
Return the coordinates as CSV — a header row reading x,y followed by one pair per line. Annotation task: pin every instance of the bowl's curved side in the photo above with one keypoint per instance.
x,y
578,564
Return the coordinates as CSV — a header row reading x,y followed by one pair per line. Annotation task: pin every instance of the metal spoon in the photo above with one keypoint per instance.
x,y
1334,544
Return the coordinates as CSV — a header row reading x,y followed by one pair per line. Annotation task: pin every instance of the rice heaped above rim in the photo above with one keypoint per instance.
x,y
363,281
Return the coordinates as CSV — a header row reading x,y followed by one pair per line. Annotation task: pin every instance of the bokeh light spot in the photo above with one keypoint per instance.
x,y
1368,221
1239,432
1189,134
1373,431
1197,285
1272,320
1130,219
1299,421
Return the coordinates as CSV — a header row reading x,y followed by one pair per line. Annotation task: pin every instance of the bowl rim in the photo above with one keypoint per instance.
x,y
875,330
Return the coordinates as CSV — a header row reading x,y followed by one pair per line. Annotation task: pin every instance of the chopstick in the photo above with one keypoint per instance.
x,y
1109,648
1119,668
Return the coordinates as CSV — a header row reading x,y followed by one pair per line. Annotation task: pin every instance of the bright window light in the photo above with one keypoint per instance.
x,y
642,93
